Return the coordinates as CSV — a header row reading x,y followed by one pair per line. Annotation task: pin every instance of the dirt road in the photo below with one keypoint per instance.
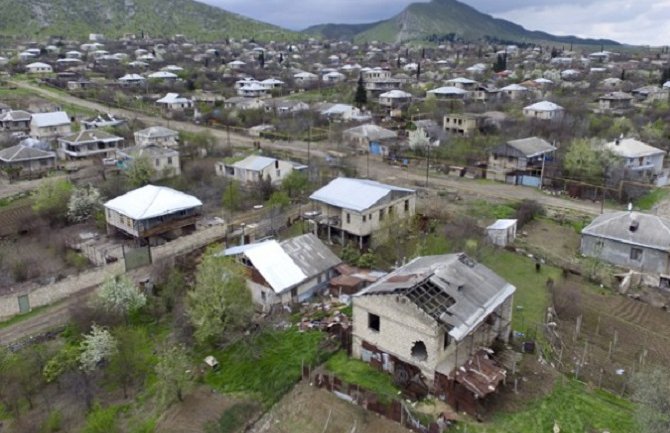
x,y
377,170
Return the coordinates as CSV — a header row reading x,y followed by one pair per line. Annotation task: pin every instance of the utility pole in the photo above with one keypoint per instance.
x,y
427,163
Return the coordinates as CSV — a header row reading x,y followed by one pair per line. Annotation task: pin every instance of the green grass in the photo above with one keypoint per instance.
x,y
267,366
649,200
233,419
573,406
362,374
487,210
21,317
531,297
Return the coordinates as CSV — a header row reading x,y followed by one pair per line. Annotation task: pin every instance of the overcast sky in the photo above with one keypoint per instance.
x,y
640,22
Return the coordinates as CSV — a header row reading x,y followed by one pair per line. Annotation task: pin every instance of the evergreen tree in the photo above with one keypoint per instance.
x,y
418,71
261,59
501,63
361,97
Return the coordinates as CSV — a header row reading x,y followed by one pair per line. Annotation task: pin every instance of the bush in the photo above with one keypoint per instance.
x,y
76,260
233,419
53,422
527,211
103,420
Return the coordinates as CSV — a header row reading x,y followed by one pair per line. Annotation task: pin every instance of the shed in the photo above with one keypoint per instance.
x,y
502,232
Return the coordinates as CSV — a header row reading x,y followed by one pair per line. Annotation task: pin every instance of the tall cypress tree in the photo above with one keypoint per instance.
x,y
361,97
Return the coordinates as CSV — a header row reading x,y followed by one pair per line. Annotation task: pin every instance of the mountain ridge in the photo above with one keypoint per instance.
x,y
114,18
419,21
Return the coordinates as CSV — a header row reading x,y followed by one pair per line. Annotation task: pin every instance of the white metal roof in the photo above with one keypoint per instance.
x,y
162,74
395,94
276,267
448,90
131,77
152,201
632,148
173,98
55,118
355,194
502,224
543,106
254,162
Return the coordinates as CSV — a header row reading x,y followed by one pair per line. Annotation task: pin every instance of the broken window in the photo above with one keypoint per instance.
x,y
419,351
636,254
373,322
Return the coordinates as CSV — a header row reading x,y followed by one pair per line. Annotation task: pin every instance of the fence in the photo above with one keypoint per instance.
x,y
391,408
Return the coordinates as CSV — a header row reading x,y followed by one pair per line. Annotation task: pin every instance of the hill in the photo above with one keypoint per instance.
x,y
113,18
446,19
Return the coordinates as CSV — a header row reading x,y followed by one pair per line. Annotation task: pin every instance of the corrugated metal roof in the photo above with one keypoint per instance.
x,y
632,148
152,201
254,163
355,194
55,118
473,290
310,254
275,265
650,230
24,153
544,106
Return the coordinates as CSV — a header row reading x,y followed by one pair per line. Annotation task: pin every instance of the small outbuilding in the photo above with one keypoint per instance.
x,y
502,232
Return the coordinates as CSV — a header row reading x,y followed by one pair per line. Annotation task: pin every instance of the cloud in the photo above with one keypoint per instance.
x,y
641,22
644,22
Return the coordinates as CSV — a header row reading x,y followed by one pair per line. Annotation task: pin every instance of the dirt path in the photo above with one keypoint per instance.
x,y
9,189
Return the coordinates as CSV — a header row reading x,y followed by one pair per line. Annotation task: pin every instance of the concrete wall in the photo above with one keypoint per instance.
x,y
48,294
402,323
619,253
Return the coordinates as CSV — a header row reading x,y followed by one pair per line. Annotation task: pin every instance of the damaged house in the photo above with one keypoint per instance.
x,y
430,324
286,272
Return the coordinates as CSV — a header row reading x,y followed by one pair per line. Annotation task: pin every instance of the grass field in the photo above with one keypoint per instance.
x,y
572,406
362,374
649,200
531,297
266,366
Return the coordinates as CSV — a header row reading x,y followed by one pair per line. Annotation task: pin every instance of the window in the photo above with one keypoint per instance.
x,y
348,218
373,322
263,296
381,214
169,160
406,205
445,341
278,173
390,210
364,218
158,162
636,254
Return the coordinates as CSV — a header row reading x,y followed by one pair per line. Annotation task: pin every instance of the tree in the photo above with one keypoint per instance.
x,y
584,161
361,97
119,295
231,196
97,346
651,393
52,197
418,139
295,183
501,63
220,301
83,204
131,361
140,172
279,200
261,59
418,72
172,374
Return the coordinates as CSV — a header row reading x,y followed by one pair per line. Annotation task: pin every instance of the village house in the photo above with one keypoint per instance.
x,y
463,83
354,209
88,143
49,126
379,80
640,161
25,161
449,92
157,135
255,168
431,323
106,120
174,102
132,80
514,91
152,212
520,162
287,272
631,240
341,112
370,138
463,124
282,107
544,110
253,90
163,160
15,120
615,102
395,99
39,68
